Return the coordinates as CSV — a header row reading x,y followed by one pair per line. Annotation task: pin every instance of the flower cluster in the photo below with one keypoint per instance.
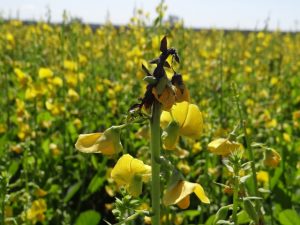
x,y
179,118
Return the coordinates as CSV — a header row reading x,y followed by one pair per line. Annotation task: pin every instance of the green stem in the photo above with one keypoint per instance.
x,y
250,152
235,196
4,191
155,155
246,139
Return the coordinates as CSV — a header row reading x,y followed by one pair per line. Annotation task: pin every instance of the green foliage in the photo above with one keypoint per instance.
x,y
89,217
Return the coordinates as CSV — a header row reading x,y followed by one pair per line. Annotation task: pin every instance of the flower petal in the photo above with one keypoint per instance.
x,y
179,112
183,189
177,193
121,172
193,124
222,146
87,142
184,203
201,194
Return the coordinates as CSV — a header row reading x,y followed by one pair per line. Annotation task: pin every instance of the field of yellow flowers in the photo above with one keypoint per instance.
x,y
60,81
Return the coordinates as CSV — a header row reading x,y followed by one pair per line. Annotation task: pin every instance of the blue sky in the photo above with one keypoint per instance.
x,y
243,14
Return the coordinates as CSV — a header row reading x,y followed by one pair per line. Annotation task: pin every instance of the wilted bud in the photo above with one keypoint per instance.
x,y
107,143
182,94
170,135
166,98
272,158
222,146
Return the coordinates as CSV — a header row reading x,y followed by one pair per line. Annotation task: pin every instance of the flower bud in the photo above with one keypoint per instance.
x,y
272,158
170,135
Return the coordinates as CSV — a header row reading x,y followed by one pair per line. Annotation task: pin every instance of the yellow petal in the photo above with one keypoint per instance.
x,y
130,172
87,142
201,194
165,119
135,186
137,167
179,112
222,146
184,188
109,143
193,124
121,172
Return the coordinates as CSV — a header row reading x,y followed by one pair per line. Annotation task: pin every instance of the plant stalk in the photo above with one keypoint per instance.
x,y
235,197
155,155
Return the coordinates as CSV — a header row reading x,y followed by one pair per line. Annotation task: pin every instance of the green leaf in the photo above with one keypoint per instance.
x,y
72,131
275,178
289,217
243,217
89,217
72,191
95,184
244,178
191,213
45,146
13,168
210,220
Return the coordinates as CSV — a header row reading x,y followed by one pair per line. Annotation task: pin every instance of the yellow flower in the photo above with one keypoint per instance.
x,y
188,116
54,108
23,78
107,143
57,81
287,137
262,176
16,148
45,73
70,65
37,210
3,128
222,146
73,95
272,158
180,194
131,172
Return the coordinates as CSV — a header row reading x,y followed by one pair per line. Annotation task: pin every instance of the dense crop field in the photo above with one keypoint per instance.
x,y
59,81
